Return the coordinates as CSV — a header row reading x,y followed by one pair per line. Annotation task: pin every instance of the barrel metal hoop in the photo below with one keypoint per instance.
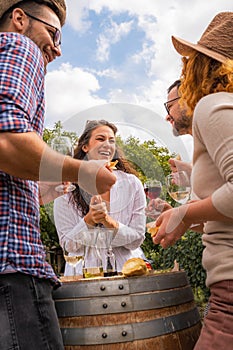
x,y
123,303
130,332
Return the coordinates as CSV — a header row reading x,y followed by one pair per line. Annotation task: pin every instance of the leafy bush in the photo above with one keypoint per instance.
x,y
187,252
48,230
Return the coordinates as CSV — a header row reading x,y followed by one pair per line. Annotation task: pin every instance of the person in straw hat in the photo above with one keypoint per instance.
x,y
30,38
207,94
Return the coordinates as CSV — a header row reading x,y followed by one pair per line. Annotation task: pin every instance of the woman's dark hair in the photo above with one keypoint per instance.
x,y
80,198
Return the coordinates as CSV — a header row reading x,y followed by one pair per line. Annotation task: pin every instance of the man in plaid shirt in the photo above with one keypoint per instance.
x,y
28,317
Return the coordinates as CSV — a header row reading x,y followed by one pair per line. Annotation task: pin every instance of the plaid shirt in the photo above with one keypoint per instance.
x,y
21,110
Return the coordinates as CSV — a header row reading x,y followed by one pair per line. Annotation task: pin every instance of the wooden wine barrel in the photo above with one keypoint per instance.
x,y
155,311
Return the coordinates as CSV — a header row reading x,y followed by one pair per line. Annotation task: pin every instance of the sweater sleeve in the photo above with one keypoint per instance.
x,y
215,131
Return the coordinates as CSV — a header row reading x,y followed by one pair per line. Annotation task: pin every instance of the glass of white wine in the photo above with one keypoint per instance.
x,y
178,186
71,259
63,145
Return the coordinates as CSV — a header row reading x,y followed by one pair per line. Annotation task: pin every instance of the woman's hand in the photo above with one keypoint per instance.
x,y
172,226
98,209
179,165
98,214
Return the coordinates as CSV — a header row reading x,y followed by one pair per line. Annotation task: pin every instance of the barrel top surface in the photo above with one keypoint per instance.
x,y
121,285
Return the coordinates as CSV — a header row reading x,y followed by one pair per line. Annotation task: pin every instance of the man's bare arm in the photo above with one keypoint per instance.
x,y
26,156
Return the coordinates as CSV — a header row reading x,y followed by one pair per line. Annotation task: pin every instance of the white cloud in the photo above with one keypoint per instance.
x,y
107,73
133,7
77,15
69,90
111,35
120,96
159,20
151,97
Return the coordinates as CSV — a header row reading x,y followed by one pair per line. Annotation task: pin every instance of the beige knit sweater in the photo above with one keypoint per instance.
x,y
213,176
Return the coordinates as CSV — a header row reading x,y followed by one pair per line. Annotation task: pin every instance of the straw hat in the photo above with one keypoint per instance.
x,y
59,4
215,42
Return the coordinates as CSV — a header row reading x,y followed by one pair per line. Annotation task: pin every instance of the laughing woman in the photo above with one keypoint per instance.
x,y
121,209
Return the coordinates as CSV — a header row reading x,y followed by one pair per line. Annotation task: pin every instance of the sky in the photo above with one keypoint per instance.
x,y
118,61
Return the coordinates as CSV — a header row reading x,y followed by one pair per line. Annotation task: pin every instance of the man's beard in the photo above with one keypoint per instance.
x,y
182,126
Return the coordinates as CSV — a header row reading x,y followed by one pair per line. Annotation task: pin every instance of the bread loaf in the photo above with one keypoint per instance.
x,y
134,267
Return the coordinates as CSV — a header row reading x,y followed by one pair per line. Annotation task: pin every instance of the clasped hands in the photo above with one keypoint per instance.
x,y
98,214
98,210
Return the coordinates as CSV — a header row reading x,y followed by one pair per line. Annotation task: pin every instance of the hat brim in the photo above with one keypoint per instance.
x,y
184,48
59,4
6,5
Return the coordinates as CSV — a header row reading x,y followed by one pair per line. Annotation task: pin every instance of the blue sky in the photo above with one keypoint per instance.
x,y
117,56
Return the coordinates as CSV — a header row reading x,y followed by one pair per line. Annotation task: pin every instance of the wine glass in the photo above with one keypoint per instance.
x,y
178,186
71,260
152,189
63,144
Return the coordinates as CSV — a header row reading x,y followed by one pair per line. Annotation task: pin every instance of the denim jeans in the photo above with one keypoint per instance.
x,y
27,313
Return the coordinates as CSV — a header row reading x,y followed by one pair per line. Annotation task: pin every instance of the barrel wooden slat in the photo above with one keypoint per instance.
x,y
142,313
123,318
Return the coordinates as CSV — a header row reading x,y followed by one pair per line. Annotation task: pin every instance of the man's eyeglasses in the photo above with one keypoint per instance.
x,y
168,106
56,34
